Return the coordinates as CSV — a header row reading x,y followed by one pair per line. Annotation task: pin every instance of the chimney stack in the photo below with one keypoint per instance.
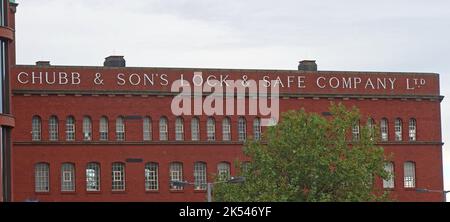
x,y
114,61
307,65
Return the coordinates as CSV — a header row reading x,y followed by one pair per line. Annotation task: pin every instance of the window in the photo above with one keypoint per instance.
x,y
87,128
384,129
409,174
223,171
93,177
200,176
163,129
70,128
118,176
371,127
179,129
389,168
245,167
68,177
103,128
355,131
257,128
226,129
176,174
412,129
242,129
211,129
41,177
36,128
398,129
147,129
53,128
120,129
151,176
195,129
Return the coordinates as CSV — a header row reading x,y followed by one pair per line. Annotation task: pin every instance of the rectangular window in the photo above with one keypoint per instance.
x,y
389,183
70,129
118,177
68,177
147,129
355,132
151,177
93,177
398,130
120,129
176,174
412,130
200,176
226,129
41,177
163,129
36,129
179,129
195,129
87,129
410,175
103,129
384,130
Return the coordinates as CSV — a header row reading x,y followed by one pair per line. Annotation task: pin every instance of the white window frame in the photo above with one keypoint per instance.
x,y
179,129
200,176
384,128
398,129
409,174
223,171
242,129
412,129
87,128
53,128
68,177
120,129
176,174
211,129
356,131
257,128
390,182
36,128
195,129
103,129
70,128
147,129
93,176
226,129
163,129
42,177
151,176
118,176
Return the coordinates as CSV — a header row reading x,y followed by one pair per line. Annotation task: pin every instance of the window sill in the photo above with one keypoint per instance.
x,y
118,192
42,193
410,189
94,192
199,191
152,191
176,191
68,192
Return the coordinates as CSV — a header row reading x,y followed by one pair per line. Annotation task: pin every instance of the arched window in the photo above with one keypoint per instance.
x,y
163,129
41,177
118,176
151,176
409,174
226,129
211,129
398,129
257,128
87,128
384,130
355,131
147,129
412,129
179,129
223,171
120,129
195,129
242,129
70,128
53,128
176,174
36,128
371,127
389,183
103,128
200,176
93,177
68,177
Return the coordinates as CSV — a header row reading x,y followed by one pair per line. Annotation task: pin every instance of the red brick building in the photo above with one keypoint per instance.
x,y
109,134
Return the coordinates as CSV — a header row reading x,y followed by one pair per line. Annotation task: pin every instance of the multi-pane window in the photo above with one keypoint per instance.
x,y
151,176
257,128
163,131
179,129
371,127
103,128
211,129
195,129
398,129
93,177
389,182
223,171
87,128
384,129
200,176
68,177
53,128
176,174
70,128
147,129
120,129
412,129
118,176
242,129
41,177
226,129
355,131
245,167
409,174
36,128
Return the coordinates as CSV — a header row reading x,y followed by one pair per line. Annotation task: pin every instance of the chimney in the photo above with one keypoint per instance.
x,y
43,63
114,61
307,65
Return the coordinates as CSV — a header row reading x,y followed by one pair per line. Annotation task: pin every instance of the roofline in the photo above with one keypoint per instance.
x,y
226,69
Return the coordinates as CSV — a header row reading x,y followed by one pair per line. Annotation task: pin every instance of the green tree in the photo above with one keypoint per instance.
x,y
307,157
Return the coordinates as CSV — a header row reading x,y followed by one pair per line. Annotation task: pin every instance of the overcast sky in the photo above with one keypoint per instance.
x,y
383,35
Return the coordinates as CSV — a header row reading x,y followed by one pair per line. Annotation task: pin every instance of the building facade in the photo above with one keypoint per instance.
x,y
110,133
7,58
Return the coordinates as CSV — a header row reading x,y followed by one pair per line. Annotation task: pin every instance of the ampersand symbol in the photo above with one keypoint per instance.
x,y
98,79
245,83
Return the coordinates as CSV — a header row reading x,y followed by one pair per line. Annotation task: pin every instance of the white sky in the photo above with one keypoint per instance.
x,y
383,35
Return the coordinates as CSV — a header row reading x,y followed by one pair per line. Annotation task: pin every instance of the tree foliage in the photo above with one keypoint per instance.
x,y
308,157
